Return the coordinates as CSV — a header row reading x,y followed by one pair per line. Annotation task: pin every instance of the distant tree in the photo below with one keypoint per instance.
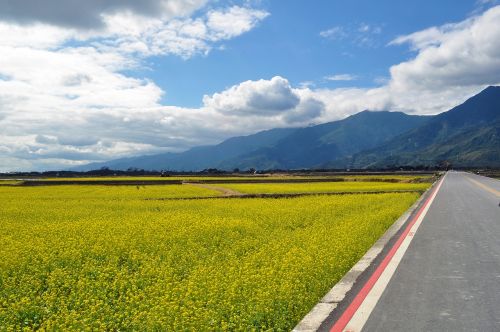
x,y
212,171
445,164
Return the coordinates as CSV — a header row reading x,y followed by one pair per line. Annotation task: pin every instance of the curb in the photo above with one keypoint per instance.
x,y
324,308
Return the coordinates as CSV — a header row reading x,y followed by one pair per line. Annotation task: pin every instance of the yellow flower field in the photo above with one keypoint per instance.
x,y
9,182
86,194
104,258
325,187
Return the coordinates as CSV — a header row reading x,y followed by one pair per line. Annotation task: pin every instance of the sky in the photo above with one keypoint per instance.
x,y
86,81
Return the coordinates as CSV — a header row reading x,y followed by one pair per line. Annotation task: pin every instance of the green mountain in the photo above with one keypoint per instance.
x,y
312,146
467,135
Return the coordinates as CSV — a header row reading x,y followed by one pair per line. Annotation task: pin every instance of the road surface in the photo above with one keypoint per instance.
x,y
448,278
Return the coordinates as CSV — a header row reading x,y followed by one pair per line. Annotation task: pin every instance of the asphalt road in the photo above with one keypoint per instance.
x,y
449,278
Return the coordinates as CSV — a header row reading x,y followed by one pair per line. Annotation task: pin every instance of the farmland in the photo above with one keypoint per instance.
x,y
88,194
122,258
9,182
233,178
324,187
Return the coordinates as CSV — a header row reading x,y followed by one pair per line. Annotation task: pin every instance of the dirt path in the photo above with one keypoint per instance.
x,y
223,191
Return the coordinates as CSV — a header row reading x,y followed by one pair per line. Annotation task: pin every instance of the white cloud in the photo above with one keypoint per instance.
x,y
37,36
44,80
307,85
260,97
335,33
131,33
367,28
341,77
420,39
361,35
309,109
185,37
344,102
232,22
459,57
64,98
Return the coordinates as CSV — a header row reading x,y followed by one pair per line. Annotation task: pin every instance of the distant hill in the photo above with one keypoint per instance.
x,y
467,135
197,158
312,146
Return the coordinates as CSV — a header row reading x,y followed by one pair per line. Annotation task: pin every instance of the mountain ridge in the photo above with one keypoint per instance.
x,y
478,114
308,147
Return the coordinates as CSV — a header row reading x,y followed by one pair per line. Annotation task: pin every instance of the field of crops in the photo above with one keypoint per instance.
x,y
323,187
9,182
392,177
87,194
401,178
114,258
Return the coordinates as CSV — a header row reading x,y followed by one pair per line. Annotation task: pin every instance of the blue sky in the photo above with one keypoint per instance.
x,y
98,80
288,43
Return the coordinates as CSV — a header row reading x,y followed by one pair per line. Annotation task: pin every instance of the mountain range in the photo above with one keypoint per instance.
x,y
467,135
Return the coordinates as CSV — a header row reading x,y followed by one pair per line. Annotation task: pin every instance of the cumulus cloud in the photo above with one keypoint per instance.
x,y
185,37
309,109
232,22
262,97
62,81
457,55
131,34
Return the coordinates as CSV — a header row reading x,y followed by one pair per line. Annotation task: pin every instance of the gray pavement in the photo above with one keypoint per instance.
x,y
449,279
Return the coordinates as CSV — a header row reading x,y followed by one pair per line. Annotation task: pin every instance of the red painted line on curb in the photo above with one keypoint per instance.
x,y
342,322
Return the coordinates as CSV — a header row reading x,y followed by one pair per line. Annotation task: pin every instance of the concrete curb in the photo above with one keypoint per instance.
x,y
322,310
